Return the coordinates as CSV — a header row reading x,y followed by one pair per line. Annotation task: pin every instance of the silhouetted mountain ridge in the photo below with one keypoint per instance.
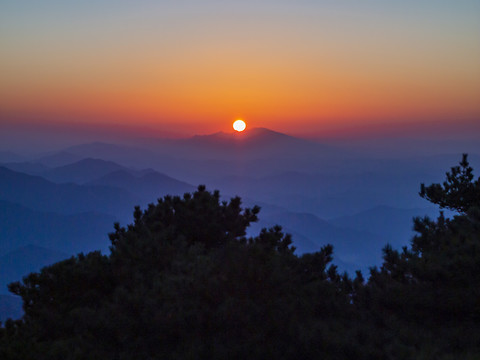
x,y
38,193
259,142
145,185
82,171
60,158
119,153
20,225
29,167
245,137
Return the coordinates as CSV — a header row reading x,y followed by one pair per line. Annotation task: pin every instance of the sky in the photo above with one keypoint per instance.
x,y
192,67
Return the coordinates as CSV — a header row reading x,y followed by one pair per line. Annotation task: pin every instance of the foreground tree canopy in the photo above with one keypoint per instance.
x,y
184,282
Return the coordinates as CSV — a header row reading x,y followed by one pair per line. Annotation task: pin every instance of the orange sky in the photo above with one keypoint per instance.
x,y
190,69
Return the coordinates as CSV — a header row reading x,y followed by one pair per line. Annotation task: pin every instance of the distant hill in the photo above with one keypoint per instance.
x,y
81,171
122,154
24,260
30,168
330,193
255,136
59,159
147,186
394,225
256,142
39,194
224,153
70,234
292,182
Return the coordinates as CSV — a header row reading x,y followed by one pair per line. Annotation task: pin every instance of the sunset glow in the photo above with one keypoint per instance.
x,y
294,66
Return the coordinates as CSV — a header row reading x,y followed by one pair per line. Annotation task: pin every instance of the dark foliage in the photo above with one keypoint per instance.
x,y
429,294
459,192
184,282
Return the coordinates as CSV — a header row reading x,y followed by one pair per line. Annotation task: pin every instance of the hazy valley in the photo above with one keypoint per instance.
x,y
63,202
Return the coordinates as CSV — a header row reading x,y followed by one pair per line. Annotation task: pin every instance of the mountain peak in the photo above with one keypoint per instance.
x,y
257,142
256,134
89,161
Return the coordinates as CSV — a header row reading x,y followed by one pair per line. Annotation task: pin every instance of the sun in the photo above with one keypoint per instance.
x,y
239,125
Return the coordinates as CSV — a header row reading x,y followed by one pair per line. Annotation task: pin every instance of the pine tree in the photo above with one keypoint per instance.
x,y
433,287
183,281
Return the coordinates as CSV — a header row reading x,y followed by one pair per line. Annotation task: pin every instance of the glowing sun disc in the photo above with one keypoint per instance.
x,y
239,125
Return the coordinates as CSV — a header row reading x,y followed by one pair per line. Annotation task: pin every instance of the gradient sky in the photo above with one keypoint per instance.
x,y
194,66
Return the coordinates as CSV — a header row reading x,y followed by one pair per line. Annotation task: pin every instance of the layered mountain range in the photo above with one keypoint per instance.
x,y
56,204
